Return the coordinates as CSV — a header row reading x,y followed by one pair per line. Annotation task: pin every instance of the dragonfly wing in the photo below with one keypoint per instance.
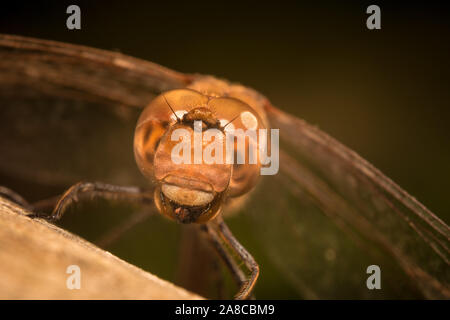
x,y
343,215
74,108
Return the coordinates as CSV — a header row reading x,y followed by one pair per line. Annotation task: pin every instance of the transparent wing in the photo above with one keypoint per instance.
x,y
329,214
68,112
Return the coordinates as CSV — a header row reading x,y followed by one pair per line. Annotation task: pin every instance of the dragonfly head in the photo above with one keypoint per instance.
x,y
189,188
181,144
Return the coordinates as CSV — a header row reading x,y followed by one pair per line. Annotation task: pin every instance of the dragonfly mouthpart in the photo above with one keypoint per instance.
x,y
187,205
188,214
186,196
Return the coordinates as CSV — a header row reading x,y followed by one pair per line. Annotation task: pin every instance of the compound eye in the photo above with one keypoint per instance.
x,y
227,125
146,140
249,121
178,115
245,124
155,120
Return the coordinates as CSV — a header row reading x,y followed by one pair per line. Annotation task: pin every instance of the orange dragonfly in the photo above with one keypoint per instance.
x,y
69,114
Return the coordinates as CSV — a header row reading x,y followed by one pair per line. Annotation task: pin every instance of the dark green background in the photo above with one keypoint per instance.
x,y
384,93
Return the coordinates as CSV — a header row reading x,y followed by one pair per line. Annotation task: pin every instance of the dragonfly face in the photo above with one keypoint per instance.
x,y
195,191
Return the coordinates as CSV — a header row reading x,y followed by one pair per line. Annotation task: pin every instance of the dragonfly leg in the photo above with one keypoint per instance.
x,y
219,230
238,275
96,190
15,197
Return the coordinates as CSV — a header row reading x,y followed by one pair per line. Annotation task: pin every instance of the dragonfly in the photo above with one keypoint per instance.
x,y
69,114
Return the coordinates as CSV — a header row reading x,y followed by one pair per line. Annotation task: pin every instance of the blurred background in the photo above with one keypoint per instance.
x,y
383,93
